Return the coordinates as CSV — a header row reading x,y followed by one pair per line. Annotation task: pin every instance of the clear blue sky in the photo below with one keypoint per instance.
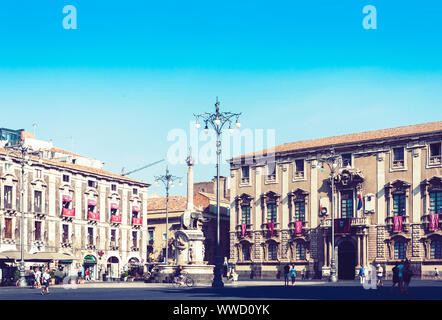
x,y
134,70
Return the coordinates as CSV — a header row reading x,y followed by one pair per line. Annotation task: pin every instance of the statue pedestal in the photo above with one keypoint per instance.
x,y
200,273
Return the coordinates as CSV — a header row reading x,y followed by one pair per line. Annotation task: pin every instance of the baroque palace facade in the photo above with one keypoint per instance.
x,y
77,215
388,202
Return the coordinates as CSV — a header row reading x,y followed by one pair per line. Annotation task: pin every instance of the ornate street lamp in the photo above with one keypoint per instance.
x,y
25,152
334,163
217,121
168,181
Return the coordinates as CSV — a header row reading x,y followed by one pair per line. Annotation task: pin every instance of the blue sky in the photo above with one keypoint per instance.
x,y
134,71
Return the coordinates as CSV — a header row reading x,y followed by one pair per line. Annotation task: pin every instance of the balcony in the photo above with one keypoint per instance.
x,y
247,231
137,221
432,227
69,213
115,219
267,230
113,245
94,216
435,160
304,230
405,227
355,222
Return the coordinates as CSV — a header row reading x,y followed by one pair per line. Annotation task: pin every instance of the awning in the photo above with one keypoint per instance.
x,y
135,209
90,259
91,202
39,256
67,198
114,206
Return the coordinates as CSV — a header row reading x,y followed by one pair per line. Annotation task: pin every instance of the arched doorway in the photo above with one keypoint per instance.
x,y
113,268
135,267
89,263
346,260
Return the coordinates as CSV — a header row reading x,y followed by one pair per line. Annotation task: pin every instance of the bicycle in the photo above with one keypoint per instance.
x,y
188,281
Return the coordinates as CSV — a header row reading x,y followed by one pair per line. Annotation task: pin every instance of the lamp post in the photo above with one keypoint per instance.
x,y
217,120
25,151
334,163
167,180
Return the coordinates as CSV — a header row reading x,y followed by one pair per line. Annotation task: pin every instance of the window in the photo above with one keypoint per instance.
x,y
8,197
90,236
245,248
346,160
299,168
65,233
37,235
398,157
66,178
435,153
38,173
92,184
271,212
399,204
436,202
271,172
245,177
299,210
8,228
245,216
347,204
113,187
273,252
150,235
300,251
435,250
134,239
399,251
135,191
113,236
37,201
8,166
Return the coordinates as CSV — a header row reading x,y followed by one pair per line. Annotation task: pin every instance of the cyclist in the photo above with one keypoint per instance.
x,y
179,273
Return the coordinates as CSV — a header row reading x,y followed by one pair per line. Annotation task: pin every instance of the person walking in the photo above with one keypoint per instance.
x,y
379,274
86,275
37,277
46,277
362,274
407,273
397,276
286,274
293,274
303,274
436,273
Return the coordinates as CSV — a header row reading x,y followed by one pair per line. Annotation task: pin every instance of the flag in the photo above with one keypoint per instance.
x,y
360,201
270,225
434,221
243,229
397,223
343,225
298,227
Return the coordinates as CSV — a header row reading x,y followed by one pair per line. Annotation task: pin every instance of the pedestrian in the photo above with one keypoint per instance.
x,y
46,278
286,274
436,273
86,275
380,274
407,273
397,276
362,274
293,274
303,274
37,277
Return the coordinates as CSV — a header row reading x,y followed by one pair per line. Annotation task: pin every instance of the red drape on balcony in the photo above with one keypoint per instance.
x,y
397,223
434,221
271,226
298,227
343,225
91,202
66,198
243,229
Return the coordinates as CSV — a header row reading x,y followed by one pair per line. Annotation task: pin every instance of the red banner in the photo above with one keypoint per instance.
x,y
270,226
343,225
135,209
298,227
116,219
397,223
94,215
91,202
114,206
66,198
68,212
137,221
243,229
434,221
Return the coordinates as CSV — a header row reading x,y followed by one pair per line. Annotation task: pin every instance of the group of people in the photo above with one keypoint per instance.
x,y
42,279
402,274
290,274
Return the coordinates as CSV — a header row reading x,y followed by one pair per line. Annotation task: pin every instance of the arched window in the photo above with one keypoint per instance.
x,y
245,250
435,249
272,251
399,250
300,251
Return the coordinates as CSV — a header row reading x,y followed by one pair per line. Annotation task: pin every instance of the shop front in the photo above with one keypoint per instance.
x,y
90,263
113,269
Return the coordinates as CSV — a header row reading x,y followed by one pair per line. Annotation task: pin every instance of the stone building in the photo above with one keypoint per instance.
x,y
388,202
72,206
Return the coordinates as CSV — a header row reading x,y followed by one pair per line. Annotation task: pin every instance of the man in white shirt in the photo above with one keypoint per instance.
x,y
380,274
